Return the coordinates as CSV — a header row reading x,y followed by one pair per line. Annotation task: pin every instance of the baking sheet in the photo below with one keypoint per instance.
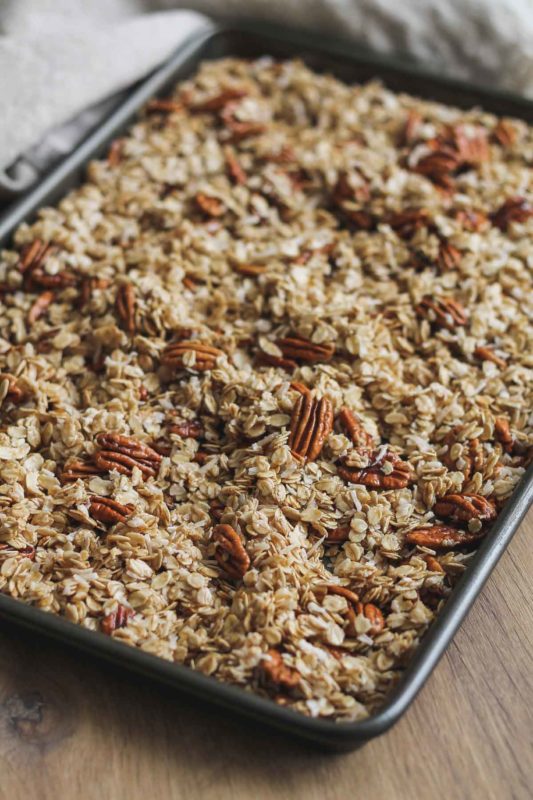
x,y
351,65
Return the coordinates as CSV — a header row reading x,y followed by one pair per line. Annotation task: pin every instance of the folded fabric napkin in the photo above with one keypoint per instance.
x,y
61,60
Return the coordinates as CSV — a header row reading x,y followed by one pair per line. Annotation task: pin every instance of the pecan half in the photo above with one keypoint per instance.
x,y
301,388
353,602
275,671
465,507
125,307
39,306
239,129
515,209
338,535
441,537
6,551
123,453
266,359
407,223
230,553
439,166
105,509
412,127
359,436
117,619
445,312
470,219
190,429
298,349
373,476
234,168
449,257
211,206
504,133
88,285
503,434
33,255
373,615
206,355
75,469
488,354
114,155
311,424
472,455
472,147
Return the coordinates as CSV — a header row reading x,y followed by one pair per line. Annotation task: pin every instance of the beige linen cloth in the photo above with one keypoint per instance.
x,y
61,60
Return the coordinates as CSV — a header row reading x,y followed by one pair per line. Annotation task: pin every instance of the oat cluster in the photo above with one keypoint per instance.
x,y
265,379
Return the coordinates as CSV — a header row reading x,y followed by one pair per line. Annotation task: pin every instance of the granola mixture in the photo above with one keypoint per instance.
x,y
265,379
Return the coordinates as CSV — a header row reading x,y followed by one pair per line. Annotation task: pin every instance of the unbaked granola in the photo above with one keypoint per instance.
x,y
265,379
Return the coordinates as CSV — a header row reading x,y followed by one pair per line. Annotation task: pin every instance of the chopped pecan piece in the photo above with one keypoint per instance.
x,y
250,270
472,455
75,468
211,206
219,101
117,619
515,209
163,105
373,615
275,671
123,453
432,564
39,306
230,553
445,312
359,436
105,509
449,257
465,507
298,349
488,354
311,424
407,223
125,307
206,355
504,133
398,474
44,280
10,389
503,434
441,537
235,171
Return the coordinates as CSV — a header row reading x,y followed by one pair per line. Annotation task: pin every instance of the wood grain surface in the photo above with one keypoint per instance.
x,y
71,728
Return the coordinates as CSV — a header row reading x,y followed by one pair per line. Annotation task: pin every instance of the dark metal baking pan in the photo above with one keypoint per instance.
x,y
349,64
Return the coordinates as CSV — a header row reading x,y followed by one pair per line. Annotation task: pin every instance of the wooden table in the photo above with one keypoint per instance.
x,y
71,728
